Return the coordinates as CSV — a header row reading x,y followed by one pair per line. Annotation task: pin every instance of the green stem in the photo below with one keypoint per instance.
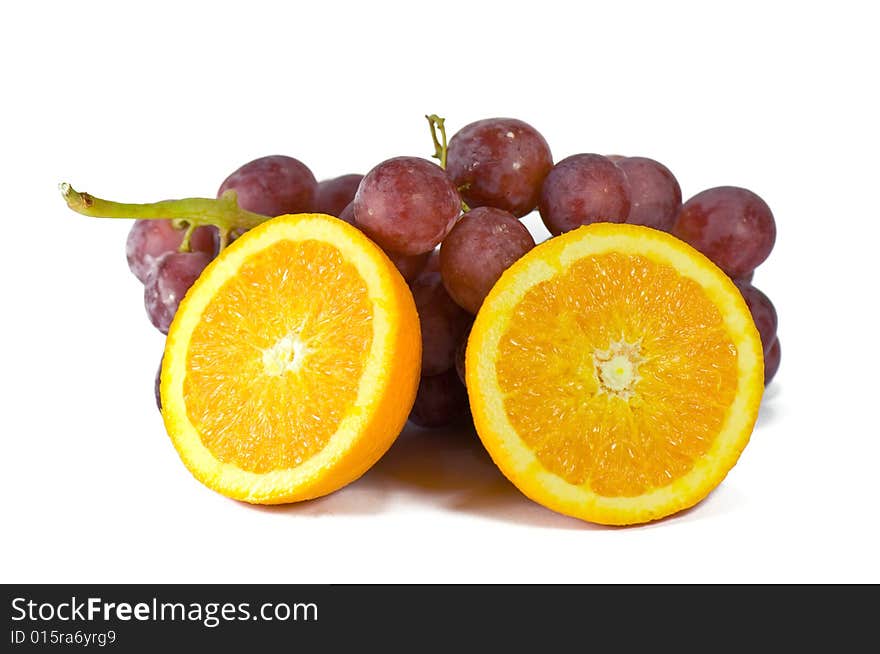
x,y
223,212
224,239
185,245
438,123
440,148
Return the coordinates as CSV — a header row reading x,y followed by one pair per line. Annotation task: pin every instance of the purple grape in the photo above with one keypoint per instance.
x,y
409,265
158,384
433,264
460,356
347,214
499,162
169,281
654,193
150,239
583,189
481,246
272,186
443,323
406,205
441,400
771,361
730,225
334,195
763,313
744,279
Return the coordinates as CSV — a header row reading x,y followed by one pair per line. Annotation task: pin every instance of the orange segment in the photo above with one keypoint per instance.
x,y
292,363
614,374
296,365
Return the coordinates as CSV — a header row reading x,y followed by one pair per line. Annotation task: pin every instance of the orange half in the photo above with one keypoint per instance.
x,y
614,374
292,363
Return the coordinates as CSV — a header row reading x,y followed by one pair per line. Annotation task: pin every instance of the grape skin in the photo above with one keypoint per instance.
x,y
483,244
433,264
409,265
150,239
441,400
744,279
732,226
763,313
767,322
460,356
583,189
499,162
334,195
347,214
168,282
443,323
654,193
406,205
157,385
273,186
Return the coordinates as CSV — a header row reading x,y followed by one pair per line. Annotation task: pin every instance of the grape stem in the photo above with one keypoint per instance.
x,y
223,212
438,124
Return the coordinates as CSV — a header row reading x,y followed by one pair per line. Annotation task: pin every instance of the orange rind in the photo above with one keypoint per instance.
x,y
614,374
292,363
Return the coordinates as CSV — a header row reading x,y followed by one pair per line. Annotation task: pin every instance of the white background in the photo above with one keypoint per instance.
x,y
164,100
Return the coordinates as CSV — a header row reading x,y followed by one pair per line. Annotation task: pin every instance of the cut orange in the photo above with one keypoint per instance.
x,y
614,374
292,363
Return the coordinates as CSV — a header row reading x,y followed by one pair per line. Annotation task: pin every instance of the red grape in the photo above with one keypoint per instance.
x,y
763,313
347,214
333,195
499,162
442,321
204,239
730,225
654,193
441,400
409,265
168,282
406,205
433,264
771,361
157,384
583,189
745,279
460,353
481,246
150,239
272,186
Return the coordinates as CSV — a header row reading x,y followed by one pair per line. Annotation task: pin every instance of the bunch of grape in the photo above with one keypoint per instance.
x,y
453,227
732,226
499,170
168,256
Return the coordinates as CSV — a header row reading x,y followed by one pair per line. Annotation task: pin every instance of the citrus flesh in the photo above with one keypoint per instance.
x,y
614,374
292,363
